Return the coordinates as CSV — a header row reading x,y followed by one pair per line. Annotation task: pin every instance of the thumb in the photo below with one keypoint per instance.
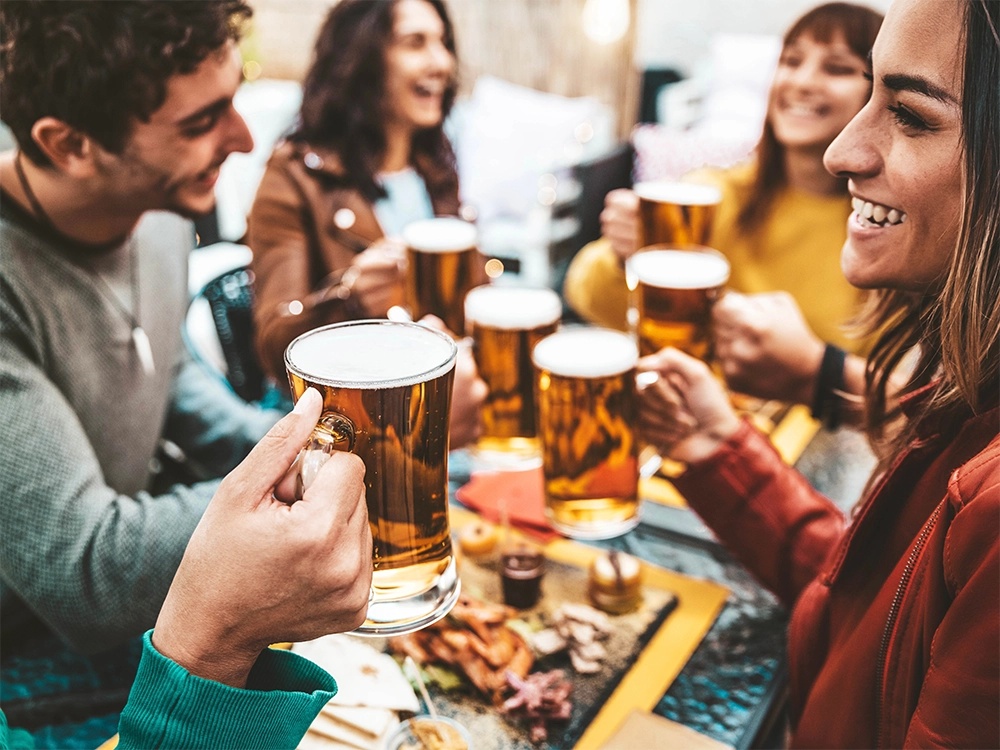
x,y
271,458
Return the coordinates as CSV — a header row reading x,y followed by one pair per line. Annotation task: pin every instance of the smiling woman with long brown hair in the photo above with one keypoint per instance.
x,y
367,156
895,633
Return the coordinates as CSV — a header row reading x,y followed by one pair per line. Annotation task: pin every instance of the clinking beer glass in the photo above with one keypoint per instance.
x,y
386,390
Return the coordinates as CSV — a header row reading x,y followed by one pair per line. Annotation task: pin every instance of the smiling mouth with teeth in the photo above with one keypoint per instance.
x,y
876,215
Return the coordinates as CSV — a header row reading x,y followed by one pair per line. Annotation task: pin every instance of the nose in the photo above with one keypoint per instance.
x,y
238,137
805,75
441,58
856,153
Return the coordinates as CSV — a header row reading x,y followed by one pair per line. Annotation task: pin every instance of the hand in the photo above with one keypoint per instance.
x,y
620,222
468,395
765,346
258,570
379,283
685,413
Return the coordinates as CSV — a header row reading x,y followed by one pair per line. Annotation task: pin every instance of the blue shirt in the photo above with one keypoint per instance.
x,y
407,200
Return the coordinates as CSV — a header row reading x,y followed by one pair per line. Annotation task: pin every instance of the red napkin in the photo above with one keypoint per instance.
x,y
524,493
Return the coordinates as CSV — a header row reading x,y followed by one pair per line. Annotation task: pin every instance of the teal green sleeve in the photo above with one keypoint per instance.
x,y
171,708
14,739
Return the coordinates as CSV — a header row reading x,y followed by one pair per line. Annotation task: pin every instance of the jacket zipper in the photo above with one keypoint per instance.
x,y
897,602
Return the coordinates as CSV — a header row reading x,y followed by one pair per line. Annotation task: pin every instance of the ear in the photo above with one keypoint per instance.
x,y
69,150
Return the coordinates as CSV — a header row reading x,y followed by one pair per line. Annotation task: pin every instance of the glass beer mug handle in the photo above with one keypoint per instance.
x,y
650,460
333,432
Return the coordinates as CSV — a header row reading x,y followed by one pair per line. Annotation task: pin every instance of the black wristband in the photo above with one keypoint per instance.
x,y
826,402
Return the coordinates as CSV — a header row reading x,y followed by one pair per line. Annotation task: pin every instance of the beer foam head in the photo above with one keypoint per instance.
x,y
442,235
586,353
681,193
679,269
371,354
512,308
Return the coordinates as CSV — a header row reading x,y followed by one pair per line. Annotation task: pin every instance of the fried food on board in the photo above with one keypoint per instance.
x,y
475,639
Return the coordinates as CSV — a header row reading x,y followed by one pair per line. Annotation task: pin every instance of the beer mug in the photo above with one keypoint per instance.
x,y
676,213
586,416
443,265
505,324
386,390
671,294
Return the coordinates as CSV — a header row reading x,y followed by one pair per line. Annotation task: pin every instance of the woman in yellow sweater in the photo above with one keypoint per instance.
x,y
782,220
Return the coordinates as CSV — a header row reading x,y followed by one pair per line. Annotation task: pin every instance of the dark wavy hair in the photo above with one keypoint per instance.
x,y
343,98
859,26
99,66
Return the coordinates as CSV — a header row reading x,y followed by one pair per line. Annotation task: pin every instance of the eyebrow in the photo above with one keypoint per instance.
x,y
918,85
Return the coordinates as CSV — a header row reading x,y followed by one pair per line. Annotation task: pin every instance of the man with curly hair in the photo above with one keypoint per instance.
x,y
123,114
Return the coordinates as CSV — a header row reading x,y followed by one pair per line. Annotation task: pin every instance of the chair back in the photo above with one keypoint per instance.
x,y
231,298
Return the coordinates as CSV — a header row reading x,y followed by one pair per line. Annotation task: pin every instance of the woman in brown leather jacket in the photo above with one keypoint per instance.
x,y
894,638
367,156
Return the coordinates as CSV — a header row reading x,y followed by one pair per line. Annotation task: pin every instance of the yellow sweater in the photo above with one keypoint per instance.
x,y
797,249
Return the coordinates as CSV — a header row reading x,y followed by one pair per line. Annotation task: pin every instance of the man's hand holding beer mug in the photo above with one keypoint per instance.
x,y
261,568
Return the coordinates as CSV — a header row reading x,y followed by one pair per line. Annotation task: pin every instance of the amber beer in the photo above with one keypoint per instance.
x,y
386,395
443,265
586,411
676,213
671,297
505,324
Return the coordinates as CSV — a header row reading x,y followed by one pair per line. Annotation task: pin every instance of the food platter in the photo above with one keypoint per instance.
x,y
646,648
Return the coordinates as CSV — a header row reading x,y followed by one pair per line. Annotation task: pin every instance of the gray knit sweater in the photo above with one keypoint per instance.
x,y
83,544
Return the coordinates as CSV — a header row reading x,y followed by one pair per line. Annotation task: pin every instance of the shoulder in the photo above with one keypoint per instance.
x,y
979,477
302,159
733,182
973,540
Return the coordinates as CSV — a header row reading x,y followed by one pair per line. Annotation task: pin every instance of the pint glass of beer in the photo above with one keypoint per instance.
x,y
505,324
443,265
386,396
671,293
675,213
586,411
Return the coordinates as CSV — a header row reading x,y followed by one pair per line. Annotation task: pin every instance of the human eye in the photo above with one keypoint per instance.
x,y
201,125
413,41
909,119
790,60
840,69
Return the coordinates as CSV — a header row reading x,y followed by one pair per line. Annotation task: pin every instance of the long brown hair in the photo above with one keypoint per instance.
x,y
955,327
343,97
859,26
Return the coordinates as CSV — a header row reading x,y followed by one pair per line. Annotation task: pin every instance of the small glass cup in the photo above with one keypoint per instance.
x,y
403,735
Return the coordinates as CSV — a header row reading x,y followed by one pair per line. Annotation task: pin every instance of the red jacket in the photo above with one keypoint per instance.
x,y
894,638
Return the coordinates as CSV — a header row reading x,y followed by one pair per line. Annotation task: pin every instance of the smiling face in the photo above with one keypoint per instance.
x,y
418,66
817,88
172,162
902,154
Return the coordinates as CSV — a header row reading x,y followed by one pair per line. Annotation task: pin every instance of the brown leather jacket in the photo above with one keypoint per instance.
x,y
297,241
894,639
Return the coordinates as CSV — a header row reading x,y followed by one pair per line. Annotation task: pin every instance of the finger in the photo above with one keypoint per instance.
x,y
670,360
433,321
269,461
334,495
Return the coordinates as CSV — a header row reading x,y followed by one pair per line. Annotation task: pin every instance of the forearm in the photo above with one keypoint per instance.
x,y
213,426
169,707
764,511
96,566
